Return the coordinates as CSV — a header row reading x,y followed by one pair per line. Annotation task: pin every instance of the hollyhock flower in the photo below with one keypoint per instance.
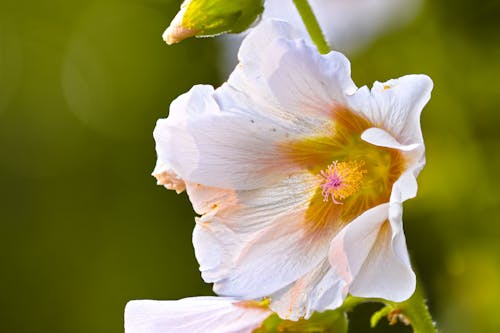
x,y
348,25
298,175
195,315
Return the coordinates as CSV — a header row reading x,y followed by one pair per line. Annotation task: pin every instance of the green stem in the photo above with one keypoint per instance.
x,y
312,25
416,311
413,311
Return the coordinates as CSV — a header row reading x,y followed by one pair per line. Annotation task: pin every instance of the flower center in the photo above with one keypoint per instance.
x,y
341,180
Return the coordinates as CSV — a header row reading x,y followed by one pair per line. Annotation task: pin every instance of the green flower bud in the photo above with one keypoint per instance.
x,y
203,18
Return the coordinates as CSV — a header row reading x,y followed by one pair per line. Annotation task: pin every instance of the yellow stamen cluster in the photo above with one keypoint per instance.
x,y
359,178
342,179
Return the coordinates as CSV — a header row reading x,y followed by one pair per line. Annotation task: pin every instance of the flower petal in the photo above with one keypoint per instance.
x,y
379,137
395,105
292,74
253,243
194,315
405,187
303,79
203,144
370,255
319,290
168,178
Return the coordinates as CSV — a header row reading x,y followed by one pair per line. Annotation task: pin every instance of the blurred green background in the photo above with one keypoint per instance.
x,y
84,228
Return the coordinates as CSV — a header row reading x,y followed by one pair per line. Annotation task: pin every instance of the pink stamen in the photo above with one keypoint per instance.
x,y
332,182
341,180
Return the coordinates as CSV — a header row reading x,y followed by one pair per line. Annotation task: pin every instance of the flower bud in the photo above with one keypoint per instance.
x,y
204,18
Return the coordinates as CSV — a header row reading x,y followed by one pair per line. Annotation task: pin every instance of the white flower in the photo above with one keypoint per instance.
x,y
194,315
348,25
298,175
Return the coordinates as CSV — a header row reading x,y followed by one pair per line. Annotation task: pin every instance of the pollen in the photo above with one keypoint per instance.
x,y
341,180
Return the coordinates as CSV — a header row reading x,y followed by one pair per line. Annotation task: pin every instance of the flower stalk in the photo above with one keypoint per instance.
x,y
413,311
417,313
312,25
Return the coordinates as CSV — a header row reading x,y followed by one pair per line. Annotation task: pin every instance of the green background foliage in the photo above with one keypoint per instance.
x,y
84,228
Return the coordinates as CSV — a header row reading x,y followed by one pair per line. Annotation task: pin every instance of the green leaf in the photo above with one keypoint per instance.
x,y
204,18
334,321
